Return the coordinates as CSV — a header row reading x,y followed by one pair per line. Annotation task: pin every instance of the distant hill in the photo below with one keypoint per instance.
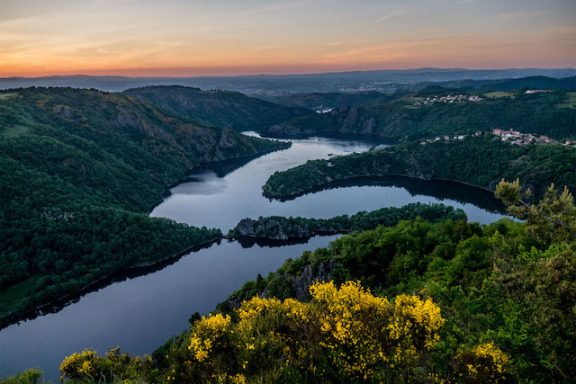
x,y
333,99
224,109
416,116
274,85
79,171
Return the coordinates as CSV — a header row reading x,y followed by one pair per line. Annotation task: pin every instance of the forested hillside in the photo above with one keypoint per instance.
x,y
551,114
429,299
481,161
217,108
334,99
79,170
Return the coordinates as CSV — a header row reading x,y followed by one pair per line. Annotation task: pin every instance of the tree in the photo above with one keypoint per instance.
x,y
553,218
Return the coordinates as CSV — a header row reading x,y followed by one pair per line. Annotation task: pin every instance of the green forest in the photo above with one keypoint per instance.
x,y
79,171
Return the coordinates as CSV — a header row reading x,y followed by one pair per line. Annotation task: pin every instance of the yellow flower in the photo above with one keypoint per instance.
x,y
490,351
206,332
79,364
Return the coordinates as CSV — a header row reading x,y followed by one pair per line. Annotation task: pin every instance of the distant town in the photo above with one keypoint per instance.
x,y
451,99
518,138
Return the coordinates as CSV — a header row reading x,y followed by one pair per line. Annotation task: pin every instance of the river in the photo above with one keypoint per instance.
x,y
139,313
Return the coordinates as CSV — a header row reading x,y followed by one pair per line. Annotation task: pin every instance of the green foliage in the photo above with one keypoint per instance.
x,y
66,251
553,218
79,170
115,367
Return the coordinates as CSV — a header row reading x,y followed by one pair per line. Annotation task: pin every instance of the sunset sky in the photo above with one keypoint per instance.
x,y
223,37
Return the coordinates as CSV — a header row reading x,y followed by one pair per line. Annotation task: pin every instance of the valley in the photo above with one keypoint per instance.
x,y
160,204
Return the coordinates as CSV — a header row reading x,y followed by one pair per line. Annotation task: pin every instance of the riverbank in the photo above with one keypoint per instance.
x,y
119,275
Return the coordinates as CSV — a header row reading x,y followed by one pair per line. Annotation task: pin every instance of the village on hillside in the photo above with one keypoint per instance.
x,y
518,138
510,136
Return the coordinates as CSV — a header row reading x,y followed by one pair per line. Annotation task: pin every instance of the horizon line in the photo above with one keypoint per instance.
x,y
263,74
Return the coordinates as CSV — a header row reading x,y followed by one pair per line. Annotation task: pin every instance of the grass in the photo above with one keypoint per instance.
x,y
14,295
570,101
498,94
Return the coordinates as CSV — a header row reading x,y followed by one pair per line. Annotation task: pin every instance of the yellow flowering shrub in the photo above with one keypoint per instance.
x,y
344,334
364,333
483,363
350,320
79,365
344,331
413,326
272,333
252,308
88,367
206,334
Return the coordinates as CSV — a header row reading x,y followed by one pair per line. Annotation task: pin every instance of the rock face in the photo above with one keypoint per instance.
x,y
309,275
272,228
297,286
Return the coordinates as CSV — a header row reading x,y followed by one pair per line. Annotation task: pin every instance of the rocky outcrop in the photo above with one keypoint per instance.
x,y
273,228
309,275
296,285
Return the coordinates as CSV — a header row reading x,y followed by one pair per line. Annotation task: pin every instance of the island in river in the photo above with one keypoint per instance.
x,y
286,229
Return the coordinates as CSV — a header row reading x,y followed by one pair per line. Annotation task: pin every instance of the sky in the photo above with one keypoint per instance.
x,y
238,37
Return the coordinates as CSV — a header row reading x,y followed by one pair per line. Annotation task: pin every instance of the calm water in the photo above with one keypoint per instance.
x,y
140,313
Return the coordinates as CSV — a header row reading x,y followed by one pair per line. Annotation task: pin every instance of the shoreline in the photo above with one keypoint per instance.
x,y
327,186
63,301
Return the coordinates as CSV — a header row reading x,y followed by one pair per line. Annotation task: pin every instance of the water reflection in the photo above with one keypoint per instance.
x,y
442,190
205,182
